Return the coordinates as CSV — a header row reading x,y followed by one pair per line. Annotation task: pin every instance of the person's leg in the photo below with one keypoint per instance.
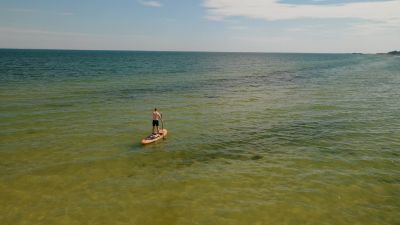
x,y
154,127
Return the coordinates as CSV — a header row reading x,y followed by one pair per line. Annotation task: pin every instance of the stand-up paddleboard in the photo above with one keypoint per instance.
x,y
154,137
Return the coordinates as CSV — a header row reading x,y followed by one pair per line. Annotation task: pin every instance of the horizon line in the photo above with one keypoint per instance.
x,y
188,51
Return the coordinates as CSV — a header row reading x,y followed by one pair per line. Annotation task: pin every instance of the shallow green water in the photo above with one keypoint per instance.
x,y
253,138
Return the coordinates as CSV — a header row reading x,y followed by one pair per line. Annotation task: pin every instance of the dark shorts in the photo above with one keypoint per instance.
x,y
155,123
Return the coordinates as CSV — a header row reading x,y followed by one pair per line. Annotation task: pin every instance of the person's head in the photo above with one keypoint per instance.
x,y
155,109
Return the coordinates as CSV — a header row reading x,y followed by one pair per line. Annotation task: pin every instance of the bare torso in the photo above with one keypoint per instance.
x,y
156,115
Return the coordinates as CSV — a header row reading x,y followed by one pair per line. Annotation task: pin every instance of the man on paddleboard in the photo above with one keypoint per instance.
x,y
156,119
157,134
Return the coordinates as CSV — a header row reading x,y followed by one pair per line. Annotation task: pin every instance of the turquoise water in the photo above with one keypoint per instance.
x,y
253,138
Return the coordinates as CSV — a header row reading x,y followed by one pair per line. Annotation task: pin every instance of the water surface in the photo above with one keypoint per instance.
x,y
253,138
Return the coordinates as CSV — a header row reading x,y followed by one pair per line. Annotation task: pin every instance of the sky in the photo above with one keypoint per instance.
x,y
328,26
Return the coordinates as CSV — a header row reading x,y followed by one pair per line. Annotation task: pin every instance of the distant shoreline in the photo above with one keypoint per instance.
x,y
175,51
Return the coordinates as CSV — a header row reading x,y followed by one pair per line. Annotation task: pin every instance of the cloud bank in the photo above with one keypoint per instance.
x,y
150,3
383,11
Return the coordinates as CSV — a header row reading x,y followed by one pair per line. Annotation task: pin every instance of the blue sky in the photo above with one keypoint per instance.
x,y
202,25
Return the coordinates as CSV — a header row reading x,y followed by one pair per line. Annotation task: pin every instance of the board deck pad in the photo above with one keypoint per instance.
x,y
154,137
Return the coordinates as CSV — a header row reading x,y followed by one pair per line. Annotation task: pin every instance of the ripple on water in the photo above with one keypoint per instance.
x,y
253,138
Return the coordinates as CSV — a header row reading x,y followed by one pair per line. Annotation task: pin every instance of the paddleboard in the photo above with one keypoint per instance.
x,y
153,138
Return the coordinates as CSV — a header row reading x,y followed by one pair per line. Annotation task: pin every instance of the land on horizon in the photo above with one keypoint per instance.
x,y
395,52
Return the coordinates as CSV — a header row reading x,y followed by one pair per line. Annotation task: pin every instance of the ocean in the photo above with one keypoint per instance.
x,y
253,138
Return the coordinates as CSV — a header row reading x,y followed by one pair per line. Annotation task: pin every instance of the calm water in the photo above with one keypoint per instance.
x,y
253,138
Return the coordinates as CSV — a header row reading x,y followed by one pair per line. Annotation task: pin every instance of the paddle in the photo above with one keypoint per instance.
x,y
162,126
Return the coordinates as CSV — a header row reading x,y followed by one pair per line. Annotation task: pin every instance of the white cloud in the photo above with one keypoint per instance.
x,y
319,1
150,3
345,27
273,10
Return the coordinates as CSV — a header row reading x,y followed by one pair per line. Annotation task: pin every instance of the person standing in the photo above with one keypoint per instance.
x,y
156,118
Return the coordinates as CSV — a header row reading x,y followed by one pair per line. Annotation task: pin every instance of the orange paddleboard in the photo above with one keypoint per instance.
x,y
153,138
